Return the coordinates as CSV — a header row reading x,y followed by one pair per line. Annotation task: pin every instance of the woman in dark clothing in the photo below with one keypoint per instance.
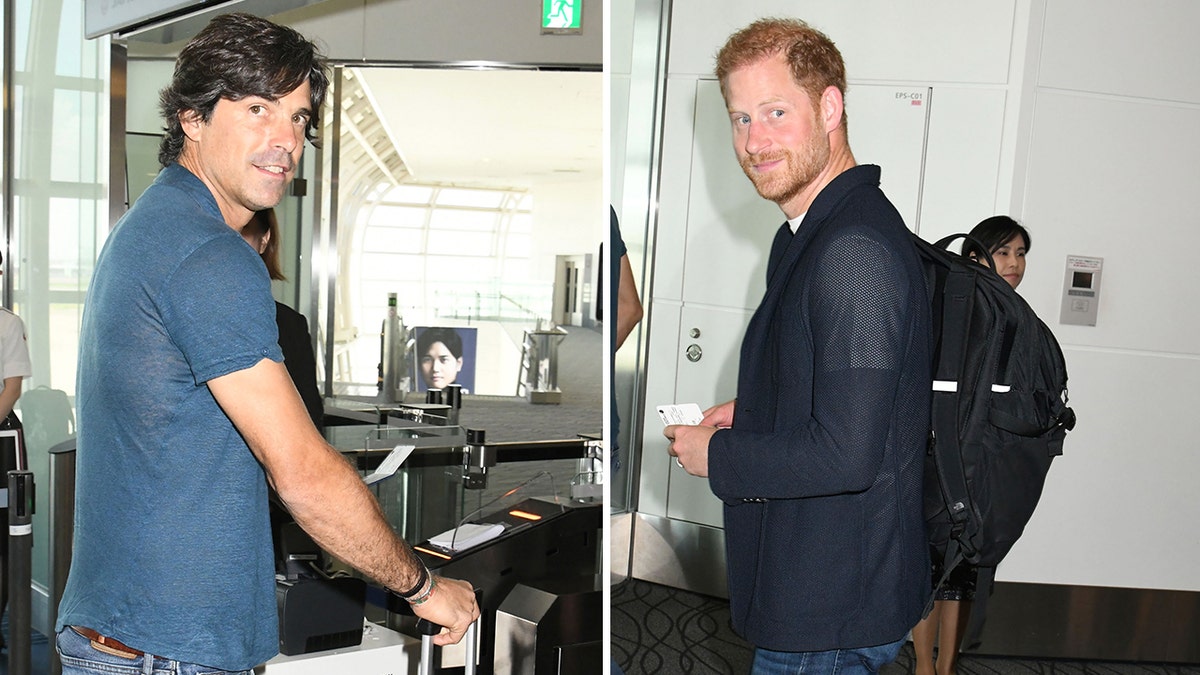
x,y
262,233
1007,242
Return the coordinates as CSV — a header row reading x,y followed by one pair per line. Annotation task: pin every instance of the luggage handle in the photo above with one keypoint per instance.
x,y
428,629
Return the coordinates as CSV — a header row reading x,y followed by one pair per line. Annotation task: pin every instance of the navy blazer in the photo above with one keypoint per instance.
x,y
821,472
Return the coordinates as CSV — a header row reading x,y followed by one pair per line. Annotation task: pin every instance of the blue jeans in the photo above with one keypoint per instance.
x,y
866,660
79,657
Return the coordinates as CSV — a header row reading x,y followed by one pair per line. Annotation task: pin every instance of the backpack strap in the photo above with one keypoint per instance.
x,y
951,238
984,582
1006,347
958,300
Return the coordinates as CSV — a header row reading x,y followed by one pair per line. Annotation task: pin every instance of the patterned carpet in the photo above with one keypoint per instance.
x,y
664,631
661,630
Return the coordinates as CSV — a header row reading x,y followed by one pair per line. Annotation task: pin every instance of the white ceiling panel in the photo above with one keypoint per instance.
x,y
491,128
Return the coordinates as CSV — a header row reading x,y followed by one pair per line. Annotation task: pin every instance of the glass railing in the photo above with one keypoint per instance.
x,y
446,478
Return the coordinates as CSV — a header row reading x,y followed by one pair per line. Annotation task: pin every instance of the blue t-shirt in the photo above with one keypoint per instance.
x,y
172,551
616,252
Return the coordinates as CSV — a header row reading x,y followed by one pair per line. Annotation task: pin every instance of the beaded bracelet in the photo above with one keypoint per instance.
x,y
424,597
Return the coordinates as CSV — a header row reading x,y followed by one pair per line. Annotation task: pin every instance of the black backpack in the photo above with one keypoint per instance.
x,y
999,413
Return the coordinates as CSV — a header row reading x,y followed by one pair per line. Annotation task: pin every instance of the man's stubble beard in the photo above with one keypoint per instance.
x,y
801,168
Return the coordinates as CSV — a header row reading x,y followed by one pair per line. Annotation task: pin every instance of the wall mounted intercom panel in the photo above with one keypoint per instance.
x,y
1081,290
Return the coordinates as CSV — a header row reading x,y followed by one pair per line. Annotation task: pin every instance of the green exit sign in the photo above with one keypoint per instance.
x,y
561,16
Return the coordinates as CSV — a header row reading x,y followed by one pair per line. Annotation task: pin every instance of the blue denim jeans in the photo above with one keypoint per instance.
x,y
79,657
867,660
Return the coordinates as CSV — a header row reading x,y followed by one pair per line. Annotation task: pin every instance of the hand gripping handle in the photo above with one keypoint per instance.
x,y
428,629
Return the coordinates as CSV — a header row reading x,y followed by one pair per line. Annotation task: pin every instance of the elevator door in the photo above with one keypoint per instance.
x,y
569,290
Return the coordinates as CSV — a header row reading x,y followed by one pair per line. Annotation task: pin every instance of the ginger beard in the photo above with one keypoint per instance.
x,y
800,167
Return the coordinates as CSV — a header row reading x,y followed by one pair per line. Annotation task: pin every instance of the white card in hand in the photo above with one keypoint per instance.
x,y
680,413
390,464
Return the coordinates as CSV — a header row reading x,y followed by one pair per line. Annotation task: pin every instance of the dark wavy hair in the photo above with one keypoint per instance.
x,y
446,336
235,56
993,233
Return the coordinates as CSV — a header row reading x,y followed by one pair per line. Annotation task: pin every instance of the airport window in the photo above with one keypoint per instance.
x,y
481,198
390,216
58,123
386,240
453,255
441,212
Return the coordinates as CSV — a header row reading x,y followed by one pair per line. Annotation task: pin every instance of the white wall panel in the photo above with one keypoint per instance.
x,y
498,30
710,380
718,333
940,41
887,127
145,78
1114,178
1147,50
674,178
962,159
729,226
1120,505
661,349
690,498
620,42
619,66
618,136
336,24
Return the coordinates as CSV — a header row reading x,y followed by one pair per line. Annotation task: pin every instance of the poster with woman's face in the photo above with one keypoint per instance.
x,y
444,356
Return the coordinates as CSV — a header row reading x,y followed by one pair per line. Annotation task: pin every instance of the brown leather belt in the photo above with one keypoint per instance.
x,y
110,645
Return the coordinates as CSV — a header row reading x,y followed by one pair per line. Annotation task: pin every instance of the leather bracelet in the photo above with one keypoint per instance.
x,y
422,579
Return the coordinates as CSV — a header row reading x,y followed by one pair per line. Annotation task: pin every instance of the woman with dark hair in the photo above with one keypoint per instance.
x,y
262,233
441,352
1007,242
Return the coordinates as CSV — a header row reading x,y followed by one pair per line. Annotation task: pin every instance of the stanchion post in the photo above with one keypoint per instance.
x,y
20,568
60,523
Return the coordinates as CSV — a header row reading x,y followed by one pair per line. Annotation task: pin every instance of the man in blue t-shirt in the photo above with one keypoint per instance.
x,y
185,410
